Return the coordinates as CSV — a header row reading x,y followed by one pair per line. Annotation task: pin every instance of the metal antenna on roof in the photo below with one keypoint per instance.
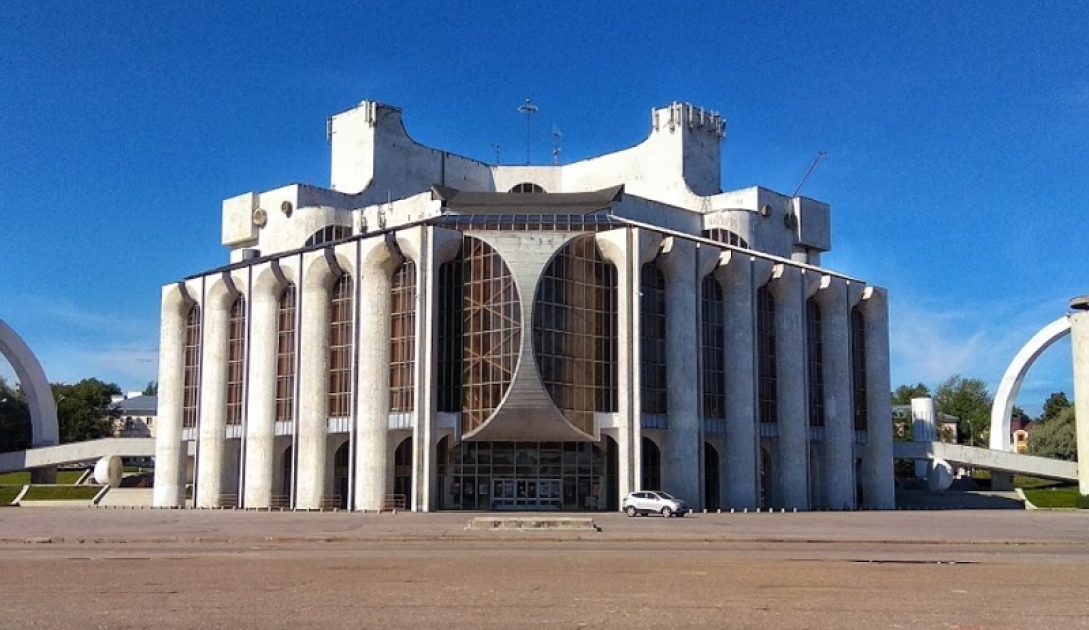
x,y
528,109
820,154
496,147
556,137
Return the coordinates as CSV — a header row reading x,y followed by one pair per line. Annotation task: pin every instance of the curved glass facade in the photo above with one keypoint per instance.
x,y
480,332
574,332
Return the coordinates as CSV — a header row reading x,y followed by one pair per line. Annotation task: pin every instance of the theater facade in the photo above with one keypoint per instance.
x,y
439,333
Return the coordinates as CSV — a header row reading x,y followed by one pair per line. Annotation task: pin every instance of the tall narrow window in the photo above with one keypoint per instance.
x,y
285,355
858,368
403,338
814,352
340,348
191,369
714,357
765,355
652,318
450,325
236,359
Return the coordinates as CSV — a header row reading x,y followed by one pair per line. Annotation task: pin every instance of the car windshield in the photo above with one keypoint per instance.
x,y
666,495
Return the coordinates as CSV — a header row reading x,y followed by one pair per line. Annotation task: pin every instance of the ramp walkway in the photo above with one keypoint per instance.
x,y
76,452
975,457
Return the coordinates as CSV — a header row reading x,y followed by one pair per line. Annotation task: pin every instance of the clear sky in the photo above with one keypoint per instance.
x,y
957,136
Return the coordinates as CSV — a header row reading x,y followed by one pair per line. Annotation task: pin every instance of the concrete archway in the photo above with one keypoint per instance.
x,y
1015,375
39,396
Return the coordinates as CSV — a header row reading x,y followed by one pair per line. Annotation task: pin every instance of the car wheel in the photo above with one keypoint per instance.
x,y
631,510
667,512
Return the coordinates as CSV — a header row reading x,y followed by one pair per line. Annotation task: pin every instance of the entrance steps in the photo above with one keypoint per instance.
x,y
549,522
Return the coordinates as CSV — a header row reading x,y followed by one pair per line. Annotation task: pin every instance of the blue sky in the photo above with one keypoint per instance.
x,y
957,136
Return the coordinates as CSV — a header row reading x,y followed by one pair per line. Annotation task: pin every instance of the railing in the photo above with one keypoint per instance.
x,y
227,501
394,502
279,502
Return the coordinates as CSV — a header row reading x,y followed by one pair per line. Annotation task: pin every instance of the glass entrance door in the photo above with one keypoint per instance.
x,y
526,494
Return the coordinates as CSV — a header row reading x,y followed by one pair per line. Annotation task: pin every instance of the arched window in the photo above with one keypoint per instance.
x,y
814,354
652,318
340,348
765,356
285,355
328,234
191,369
403,339
728,237
714,356
480,332
574,332
858,368
236,359
527,187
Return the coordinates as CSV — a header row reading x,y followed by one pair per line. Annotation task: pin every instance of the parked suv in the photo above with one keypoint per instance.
x,y
654,502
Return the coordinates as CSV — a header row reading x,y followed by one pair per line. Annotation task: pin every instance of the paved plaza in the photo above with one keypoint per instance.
x,y
96,568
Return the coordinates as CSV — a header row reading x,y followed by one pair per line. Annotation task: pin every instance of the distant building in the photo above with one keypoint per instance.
x,y
136,415
461,335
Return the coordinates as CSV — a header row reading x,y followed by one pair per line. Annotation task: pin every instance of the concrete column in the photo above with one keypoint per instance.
x,y
878,484
379,258
1079,346
683,449
628,249
261,393
313,375
838,474
739,475
213,396
924,428
429,248
170,451
793,420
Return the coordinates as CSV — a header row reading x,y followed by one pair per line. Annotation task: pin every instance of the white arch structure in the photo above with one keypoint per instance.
x,y
1015,375
39,396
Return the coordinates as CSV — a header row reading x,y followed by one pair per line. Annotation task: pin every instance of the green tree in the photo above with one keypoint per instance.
x,y
84,410
1055,437
1055,404
902,395
968,400
152,389
15,428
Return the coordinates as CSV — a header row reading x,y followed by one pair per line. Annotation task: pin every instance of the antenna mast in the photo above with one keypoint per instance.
x,y
556,137
820,154
528,109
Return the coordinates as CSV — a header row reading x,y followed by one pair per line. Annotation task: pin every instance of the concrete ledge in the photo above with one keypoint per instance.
x,y
522,523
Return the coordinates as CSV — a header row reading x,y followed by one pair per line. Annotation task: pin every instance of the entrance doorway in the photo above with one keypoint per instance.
x,y
572,476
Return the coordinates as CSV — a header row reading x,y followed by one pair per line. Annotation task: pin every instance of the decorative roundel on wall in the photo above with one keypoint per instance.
x,y
765,210
286,208
260,217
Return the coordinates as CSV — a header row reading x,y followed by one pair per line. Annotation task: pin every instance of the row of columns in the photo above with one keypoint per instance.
x,y
370,263
685,264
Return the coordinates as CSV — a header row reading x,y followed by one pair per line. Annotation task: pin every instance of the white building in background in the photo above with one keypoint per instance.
x,y
461,335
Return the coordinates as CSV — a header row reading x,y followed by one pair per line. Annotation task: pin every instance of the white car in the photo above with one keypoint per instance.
x,y
654,502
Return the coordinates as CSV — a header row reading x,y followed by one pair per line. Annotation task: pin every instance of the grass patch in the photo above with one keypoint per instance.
x,y
8,494
61,493
22,477
1026,483
1057,497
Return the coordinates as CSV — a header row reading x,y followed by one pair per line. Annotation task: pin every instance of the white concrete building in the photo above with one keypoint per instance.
x,y
459,335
